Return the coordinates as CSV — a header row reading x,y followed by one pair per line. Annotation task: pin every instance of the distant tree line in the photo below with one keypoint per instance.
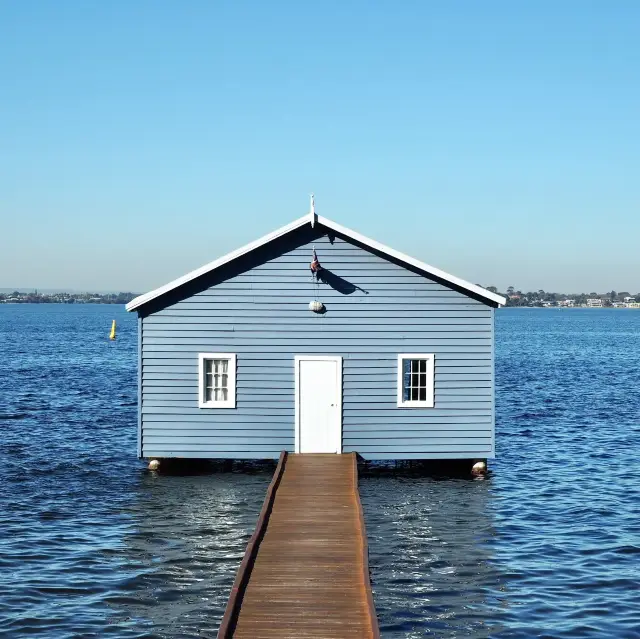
x,y
18,297
544,298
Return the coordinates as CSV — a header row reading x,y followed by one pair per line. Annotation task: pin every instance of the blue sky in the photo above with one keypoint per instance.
x,y
497,140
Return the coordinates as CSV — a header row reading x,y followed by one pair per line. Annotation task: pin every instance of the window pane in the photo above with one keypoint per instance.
x,y
216,379
406,379
207,365
414,380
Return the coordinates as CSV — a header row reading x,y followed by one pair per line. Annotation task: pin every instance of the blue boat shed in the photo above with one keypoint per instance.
x,y
315,338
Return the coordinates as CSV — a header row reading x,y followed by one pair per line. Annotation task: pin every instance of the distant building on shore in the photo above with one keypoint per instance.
x,y
594,302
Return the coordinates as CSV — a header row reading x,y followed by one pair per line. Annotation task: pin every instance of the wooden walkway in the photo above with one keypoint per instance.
x,y
306,572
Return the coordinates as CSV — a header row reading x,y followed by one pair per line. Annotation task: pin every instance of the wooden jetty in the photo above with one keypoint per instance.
x,y
305,572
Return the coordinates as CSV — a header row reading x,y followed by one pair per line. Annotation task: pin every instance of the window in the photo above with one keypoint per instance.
x,y
217,380
415,381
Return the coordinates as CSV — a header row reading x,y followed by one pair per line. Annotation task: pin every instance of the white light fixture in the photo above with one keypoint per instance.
x,y
316,307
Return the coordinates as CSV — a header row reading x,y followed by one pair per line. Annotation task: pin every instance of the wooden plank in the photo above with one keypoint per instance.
x,y
168,322
366,574
395,456
308,575
285,345
284,402
257,331
233,605
286,387
264,310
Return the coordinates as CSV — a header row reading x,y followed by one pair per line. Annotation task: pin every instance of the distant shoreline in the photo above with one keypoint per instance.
x,y
572,308
63,303
18,297
511,308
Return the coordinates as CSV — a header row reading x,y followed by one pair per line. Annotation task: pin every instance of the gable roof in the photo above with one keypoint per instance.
x,y
313,219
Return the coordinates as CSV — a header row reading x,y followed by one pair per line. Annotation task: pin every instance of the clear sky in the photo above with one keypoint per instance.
x,y
497,140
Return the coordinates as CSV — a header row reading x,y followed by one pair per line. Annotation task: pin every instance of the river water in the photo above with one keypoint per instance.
x,y
93,545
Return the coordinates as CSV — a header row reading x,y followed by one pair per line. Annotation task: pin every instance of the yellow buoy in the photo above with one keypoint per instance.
x,y
112,334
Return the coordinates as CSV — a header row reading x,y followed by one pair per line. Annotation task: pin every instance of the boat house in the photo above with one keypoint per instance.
x,y
316,339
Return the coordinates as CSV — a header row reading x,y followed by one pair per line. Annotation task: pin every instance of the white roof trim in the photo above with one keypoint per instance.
x,y
211,266
147,297
452,279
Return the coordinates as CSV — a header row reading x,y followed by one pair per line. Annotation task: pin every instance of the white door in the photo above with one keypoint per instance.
x,y
318,404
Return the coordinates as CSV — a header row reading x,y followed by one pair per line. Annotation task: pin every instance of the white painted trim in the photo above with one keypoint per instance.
x,y
231,401
212,266
343,230
324,358
423,266
430,401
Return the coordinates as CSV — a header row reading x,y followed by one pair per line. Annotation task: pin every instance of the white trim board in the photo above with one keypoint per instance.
x,y
323,358
422,266
313,219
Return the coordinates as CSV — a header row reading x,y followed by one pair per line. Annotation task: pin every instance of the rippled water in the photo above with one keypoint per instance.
x,y
92,545
549,545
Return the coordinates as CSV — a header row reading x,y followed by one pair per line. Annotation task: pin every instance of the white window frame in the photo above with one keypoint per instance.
x,y
429,402
230,402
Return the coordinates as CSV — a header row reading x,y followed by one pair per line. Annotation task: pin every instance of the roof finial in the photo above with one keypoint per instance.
x,y
312,211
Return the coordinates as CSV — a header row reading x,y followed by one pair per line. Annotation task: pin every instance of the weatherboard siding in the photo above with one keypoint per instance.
x,y
376,309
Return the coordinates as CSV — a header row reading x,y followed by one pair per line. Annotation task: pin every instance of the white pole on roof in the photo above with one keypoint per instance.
x,y
312,211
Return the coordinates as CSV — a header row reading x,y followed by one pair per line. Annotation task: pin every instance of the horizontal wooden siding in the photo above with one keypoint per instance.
x,y
375,310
